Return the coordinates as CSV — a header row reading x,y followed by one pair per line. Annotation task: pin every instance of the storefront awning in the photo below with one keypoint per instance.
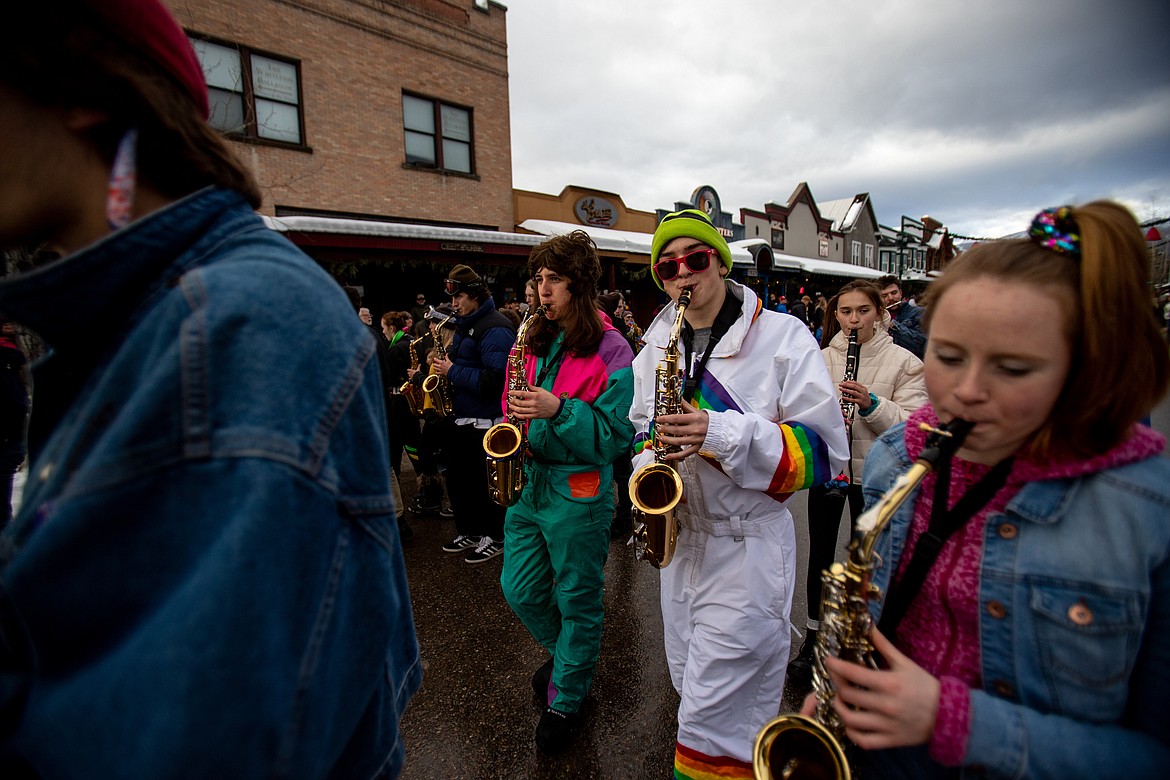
x,y
622,241
827,267
372,229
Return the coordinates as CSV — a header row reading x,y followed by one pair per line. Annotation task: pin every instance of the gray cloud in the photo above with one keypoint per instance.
x,y
976,113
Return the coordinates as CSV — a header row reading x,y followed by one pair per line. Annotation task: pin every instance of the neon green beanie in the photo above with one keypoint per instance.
x,y
691,223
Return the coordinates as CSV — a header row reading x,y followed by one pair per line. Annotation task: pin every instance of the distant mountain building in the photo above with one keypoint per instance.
x,y
854,219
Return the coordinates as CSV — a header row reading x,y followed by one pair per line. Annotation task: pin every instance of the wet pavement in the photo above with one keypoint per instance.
x,y
475,716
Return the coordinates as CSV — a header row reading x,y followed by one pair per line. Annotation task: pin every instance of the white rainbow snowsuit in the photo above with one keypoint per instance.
x,y
774,428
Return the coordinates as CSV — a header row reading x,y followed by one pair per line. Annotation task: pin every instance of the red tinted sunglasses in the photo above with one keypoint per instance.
x,y
697,261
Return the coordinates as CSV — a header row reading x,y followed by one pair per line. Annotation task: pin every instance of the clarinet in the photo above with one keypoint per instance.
x,y
852,358
848,411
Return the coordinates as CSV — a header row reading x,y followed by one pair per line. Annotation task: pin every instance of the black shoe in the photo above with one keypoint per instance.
x,y
555,730
800,671
419,508
540,680
461,543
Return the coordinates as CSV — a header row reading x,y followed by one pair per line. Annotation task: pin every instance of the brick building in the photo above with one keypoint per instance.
x,y
379,111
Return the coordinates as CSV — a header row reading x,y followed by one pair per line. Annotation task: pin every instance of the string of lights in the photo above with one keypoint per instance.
x,y
957,237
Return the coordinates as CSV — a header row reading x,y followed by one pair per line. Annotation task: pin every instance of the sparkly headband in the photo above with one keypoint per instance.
x,y
1056,229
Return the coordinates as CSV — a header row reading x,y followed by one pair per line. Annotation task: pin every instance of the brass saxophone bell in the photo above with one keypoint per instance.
x,y
657,488
505,462
506,444
796,747
654,493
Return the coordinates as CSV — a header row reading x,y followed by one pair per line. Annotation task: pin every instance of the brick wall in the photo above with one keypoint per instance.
x,y
356,57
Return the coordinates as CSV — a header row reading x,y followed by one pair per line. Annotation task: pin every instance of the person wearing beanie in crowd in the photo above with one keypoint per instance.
x,y
474,366
204,578
760,421
577,370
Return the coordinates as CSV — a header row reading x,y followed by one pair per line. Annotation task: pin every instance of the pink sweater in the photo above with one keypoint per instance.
x,y
940,631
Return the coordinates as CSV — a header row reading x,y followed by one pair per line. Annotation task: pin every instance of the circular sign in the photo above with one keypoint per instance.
x,y
706,200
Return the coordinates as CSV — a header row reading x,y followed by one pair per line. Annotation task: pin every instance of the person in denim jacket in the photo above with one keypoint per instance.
x,y
204,577
1036,645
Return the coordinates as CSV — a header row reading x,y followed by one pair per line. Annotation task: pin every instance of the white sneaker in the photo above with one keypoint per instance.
x,y
487,549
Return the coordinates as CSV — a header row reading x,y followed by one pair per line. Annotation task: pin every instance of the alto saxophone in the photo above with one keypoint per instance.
x,y
657,488
795,746
437,395
506,443
409,390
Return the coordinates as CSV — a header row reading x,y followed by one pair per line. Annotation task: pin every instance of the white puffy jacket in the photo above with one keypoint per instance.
x,y
893,374
774,427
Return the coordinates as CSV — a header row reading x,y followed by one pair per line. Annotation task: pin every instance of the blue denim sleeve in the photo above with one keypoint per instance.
x,y
214,580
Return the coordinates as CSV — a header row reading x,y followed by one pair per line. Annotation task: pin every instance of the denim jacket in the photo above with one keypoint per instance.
x,y
206,558
1067,691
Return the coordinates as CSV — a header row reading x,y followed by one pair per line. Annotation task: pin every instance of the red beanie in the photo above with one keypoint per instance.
x,y
149,27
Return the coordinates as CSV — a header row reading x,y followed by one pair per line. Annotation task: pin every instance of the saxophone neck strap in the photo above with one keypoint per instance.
x,y
549,362
728,313
944,523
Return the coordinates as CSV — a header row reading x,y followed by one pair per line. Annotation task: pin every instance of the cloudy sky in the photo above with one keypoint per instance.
x,y
976,112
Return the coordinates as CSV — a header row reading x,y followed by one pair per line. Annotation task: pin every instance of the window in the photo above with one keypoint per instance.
x,y
252,95
869,255
855,252
437,135
777,238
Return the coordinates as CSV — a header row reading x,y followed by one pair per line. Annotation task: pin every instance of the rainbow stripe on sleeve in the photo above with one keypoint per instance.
x,y
644,440
805,462
690,764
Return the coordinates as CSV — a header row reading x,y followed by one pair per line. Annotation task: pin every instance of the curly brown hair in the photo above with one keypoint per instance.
x,y
573,256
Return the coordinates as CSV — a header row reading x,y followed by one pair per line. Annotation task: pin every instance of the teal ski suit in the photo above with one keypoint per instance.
x,y
556,538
